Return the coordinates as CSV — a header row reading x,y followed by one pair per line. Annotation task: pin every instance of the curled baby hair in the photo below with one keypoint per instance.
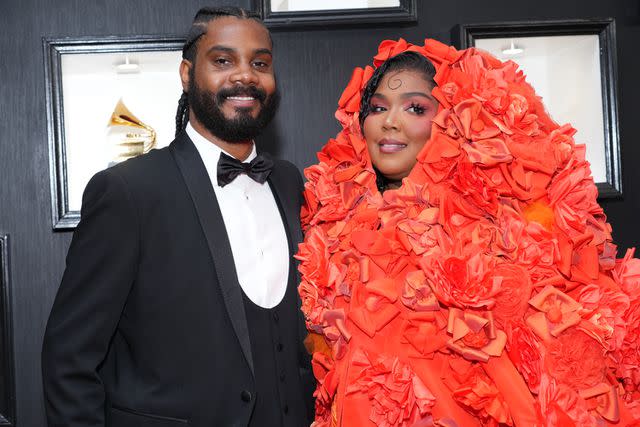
x,y
405,61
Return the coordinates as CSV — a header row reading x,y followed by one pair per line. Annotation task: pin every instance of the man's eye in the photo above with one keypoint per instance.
x,y
260,64
222,61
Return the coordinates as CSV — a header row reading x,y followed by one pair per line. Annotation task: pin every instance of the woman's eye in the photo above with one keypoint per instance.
x,y
377,108
417,109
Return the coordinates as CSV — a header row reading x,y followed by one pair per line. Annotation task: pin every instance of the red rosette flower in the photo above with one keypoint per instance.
x,y
416,293
525,351
561,406
349,103
389,48
573,195
327,383
603,314
627,275
440,53
372,306
473,389
314,267
478,196
557,312
512,299
474,335
628,359
461,281
576,359
398,396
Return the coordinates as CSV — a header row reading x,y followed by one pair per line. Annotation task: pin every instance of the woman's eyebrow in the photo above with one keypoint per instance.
x,y
421,94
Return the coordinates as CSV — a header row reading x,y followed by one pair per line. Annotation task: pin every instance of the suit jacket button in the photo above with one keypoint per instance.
x,y
245,396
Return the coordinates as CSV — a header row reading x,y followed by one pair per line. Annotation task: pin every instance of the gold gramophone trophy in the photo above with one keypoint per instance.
x,y
127,136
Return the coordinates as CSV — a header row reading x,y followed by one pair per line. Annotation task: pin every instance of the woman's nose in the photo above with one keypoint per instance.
x,y
391,120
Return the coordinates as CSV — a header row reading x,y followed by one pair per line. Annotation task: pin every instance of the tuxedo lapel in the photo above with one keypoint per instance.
x,y
204,199
287,200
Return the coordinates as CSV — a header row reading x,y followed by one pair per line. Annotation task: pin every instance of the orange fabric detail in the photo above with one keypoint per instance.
x,y
485,290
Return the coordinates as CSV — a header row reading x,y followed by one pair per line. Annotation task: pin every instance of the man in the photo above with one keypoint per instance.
x,y
179,305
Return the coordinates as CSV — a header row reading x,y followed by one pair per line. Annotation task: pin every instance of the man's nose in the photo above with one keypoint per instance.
x,y
245,74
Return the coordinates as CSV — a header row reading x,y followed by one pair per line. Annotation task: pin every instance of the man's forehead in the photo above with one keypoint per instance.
x,y
237,33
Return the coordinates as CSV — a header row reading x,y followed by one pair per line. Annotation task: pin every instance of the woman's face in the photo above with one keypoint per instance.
x,y
399,123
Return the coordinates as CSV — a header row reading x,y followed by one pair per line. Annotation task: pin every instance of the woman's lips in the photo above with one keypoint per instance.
x,y
389,146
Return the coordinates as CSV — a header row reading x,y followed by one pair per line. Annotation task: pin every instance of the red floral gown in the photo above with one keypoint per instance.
x,y
483,292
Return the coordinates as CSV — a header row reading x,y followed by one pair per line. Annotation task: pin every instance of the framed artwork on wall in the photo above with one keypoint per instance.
x,y
572,66
108,99
299,13
7,382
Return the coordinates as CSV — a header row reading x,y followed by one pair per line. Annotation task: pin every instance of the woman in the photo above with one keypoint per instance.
x,y
457,269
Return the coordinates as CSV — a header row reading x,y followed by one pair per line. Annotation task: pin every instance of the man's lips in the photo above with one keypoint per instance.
x,y
389,146
242,101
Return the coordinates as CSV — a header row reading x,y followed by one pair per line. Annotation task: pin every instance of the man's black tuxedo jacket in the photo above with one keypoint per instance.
x,y
148,328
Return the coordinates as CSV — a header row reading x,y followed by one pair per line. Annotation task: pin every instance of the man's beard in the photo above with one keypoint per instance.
x,y
207,107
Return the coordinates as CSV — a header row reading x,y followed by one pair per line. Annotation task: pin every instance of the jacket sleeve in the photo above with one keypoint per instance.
x,y
100,269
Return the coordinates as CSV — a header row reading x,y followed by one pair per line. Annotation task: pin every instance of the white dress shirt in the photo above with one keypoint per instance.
x,y
254,226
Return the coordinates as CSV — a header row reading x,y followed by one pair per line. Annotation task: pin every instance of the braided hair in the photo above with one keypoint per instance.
x,y
405,61
189,49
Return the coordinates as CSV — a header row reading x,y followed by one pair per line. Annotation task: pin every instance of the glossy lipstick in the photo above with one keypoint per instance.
x,y
390,146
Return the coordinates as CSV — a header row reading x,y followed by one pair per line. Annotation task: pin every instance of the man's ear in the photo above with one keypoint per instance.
x,y
185,68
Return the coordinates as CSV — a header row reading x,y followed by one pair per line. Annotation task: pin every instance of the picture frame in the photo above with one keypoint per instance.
x,y
591,41
402,11
86,79
7,377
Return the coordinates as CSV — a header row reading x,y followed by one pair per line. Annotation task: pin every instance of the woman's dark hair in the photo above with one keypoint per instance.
x,y
189,49
405,61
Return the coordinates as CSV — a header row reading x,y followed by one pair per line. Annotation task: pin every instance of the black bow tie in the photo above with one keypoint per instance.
x,y
229,168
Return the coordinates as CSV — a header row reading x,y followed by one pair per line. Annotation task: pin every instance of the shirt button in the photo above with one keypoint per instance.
x,y
276,318
285,409
282,377
245,395
280,346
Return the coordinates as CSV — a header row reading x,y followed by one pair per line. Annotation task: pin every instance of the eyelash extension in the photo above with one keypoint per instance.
x,y
419,109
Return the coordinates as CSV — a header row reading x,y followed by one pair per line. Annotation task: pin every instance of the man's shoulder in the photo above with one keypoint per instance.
x,y
287,176
156,158
144,173
285,166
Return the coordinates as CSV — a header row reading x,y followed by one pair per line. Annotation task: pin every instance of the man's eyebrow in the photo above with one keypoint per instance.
x,y
221,48
227,49
263,51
